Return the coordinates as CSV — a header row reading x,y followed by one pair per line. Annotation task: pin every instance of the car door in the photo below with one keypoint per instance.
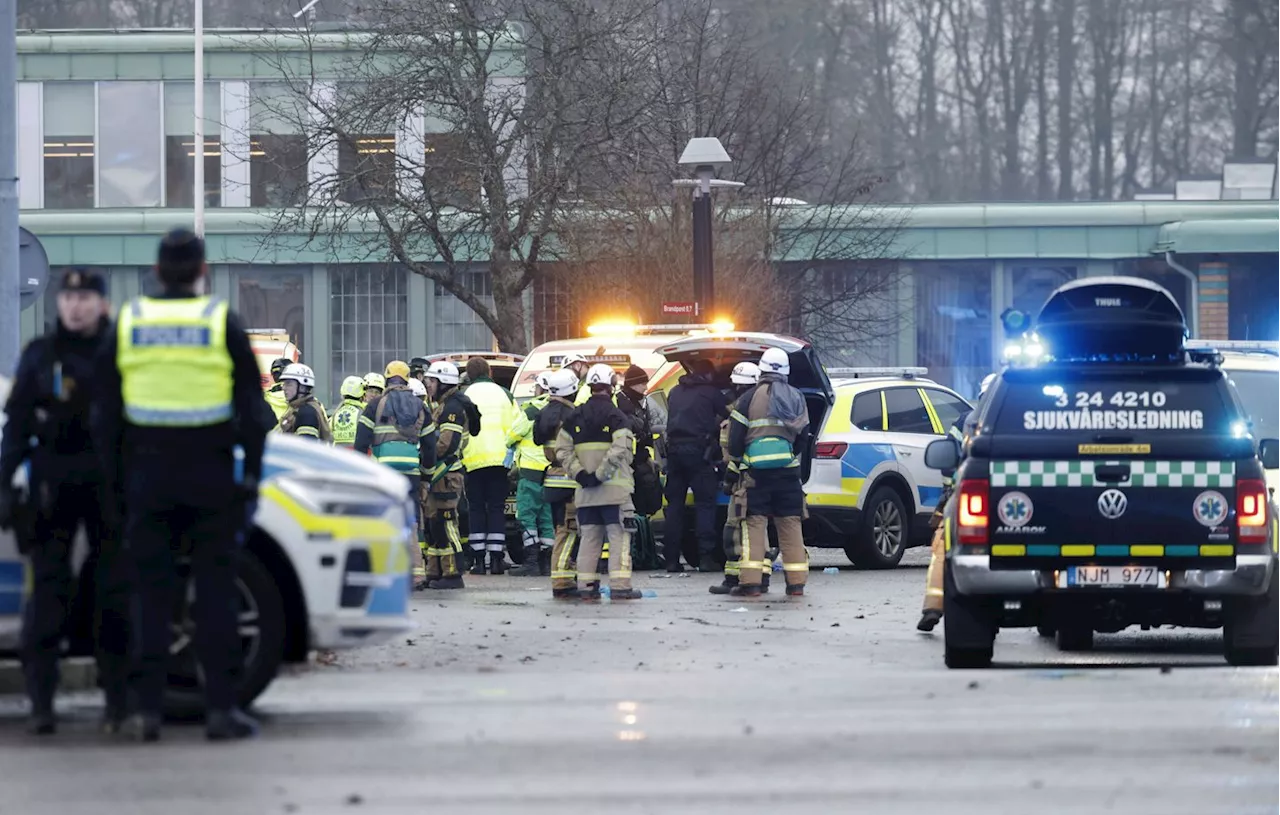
x,y
946,407
909,427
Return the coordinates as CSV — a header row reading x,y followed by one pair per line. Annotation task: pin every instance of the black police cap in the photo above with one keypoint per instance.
x,y
79,278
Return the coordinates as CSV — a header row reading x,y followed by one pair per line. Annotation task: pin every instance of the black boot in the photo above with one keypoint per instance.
x,y
544,561
795,591
477,562
709,564
591,594
116,710
497,563
929,619
764,583
228,725
529,564
42,723
571,593
450,582
742,590
625,594
144,727
730,580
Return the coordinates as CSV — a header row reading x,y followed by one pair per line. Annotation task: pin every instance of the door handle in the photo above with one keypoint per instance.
x,y
1111,473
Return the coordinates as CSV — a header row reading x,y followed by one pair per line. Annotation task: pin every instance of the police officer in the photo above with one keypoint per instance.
x,y
347,417
50,403
533,513
398,430
451,413
745,376
305,416
180,390
484,458
931,614
595,446
275,394
558,487
695,409
768,423
374,384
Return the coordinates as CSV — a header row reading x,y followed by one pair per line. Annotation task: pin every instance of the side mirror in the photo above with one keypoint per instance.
x,y
1269,452
942,454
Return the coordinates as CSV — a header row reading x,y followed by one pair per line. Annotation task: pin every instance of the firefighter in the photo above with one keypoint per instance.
x,y
745,375
275,394
933,596
532,510
418,368
397,429
453,418
557,487
484,459
768,422
374,384
596,446
347,417
305,416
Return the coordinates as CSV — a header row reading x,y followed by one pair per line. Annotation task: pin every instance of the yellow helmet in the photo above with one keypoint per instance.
x,y
352,388
375,380
397,368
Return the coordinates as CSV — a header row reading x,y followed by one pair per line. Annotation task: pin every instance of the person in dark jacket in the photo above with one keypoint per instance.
x,y
635,406
179,392
50,404
696,406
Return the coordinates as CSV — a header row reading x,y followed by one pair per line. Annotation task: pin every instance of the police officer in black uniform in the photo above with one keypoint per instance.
x,y
180,390
49,403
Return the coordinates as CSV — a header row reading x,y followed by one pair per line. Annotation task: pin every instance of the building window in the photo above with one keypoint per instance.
x,y
555,309
129,124
1253,291
458,328
179,144
68,145
954,322
277,146
274,298
369,310
451,179
367,166
1032,285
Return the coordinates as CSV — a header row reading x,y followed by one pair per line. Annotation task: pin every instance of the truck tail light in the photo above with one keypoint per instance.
x,y
973,510
830,449
1251,510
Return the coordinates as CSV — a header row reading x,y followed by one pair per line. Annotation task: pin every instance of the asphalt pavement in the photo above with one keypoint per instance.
x,y
507,702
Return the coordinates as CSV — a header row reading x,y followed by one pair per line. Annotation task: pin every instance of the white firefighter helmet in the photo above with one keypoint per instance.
x,y
443,370
600,374
417,388
775,361
375,380
352,388
302,374
543,380
563,382
572,359
745,373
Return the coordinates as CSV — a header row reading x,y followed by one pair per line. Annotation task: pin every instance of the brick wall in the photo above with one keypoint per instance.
x,y
1214,301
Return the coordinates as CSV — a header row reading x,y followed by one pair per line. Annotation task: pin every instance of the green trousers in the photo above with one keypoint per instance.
x,y
534,515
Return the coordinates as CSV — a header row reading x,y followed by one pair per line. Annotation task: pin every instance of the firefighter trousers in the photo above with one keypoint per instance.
x,y
444,540
564,573
596,523
776,495
933,578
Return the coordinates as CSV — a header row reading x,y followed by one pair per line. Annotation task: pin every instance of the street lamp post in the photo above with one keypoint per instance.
x,y
198,125
704,155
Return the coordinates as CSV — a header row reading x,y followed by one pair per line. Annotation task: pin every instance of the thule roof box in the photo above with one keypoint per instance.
x,y
1112,320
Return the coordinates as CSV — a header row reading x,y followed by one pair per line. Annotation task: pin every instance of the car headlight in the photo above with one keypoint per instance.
x,y
327,496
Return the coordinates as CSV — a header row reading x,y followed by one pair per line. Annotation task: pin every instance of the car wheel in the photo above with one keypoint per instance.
x,y
1045,630
261,626
1074,637
883,537
969,630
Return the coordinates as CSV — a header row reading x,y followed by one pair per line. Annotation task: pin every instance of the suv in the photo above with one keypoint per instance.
x,y
1113,483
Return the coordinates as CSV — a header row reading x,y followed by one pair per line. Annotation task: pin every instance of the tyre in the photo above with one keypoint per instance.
x,y
1074,637
969,631
880,542
1045,630
1251,630
262,636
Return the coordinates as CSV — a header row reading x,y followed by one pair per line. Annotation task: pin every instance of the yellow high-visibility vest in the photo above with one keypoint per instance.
x,y
174,364
498,413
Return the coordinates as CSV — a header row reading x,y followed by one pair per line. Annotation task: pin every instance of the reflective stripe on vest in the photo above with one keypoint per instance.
x,y
770,453
175,368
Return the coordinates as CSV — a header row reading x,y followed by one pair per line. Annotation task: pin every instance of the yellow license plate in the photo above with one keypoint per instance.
x,y
1114,449
510,508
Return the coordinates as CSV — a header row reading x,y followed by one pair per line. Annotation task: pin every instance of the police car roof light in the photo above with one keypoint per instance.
x,y
857,373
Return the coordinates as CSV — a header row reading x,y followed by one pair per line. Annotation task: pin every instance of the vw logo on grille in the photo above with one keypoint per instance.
x,y
1112,504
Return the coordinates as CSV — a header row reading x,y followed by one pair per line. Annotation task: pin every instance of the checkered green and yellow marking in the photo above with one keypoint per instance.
x,y
1201,474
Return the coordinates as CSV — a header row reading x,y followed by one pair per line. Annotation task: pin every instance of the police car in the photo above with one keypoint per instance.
x,y
1254,369
870,492
1113,481
326,566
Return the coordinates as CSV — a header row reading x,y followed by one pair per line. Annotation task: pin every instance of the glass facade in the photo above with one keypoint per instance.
x,y
273,297
179,144
954,322
129,163
458,328
277,146
70,123
369,319
1032,284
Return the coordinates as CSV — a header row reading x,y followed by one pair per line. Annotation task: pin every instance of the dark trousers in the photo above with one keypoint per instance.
x,y
165,522
688,469
487,491
98,608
